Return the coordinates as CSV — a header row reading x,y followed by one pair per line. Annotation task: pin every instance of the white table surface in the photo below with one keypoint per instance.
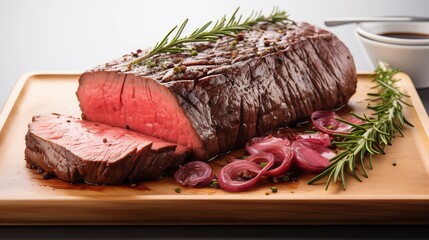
x,y
62,35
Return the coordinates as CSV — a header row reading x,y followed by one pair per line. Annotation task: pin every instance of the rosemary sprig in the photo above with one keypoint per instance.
x,y
373,135
222,27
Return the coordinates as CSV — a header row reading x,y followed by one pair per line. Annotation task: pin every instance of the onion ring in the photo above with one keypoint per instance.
x,y
325,121
194,174
241,175
282,160
259,144
310,156
318,137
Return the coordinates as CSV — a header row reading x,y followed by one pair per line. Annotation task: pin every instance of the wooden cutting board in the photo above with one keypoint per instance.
x,y
391,194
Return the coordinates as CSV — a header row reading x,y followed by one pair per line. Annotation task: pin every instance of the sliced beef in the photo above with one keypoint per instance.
x,y
76,150
227,94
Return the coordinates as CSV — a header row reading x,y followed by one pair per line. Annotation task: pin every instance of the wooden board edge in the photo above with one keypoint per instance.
x,y
417,103
420,110
413,94
16,91
13,96
218,212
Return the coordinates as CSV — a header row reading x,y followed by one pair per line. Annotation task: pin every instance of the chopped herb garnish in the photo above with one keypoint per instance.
x,y
150,63
214,183
286,178
177,70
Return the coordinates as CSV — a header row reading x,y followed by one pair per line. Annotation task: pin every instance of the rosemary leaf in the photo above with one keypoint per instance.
x,y
222,27
371,137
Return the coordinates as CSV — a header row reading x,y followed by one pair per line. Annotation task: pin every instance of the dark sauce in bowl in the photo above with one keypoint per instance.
x,y
406,35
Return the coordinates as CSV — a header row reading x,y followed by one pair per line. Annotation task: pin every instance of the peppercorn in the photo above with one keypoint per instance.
x,y
178,190
194,52
266,43
139,51
183,68
394,162
274,189
240,37
267,193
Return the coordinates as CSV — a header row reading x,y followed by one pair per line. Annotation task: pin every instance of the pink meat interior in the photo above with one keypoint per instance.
x,y
136,103
88,140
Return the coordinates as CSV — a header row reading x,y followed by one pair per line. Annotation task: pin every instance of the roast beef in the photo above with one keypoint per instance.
x,y
234,89
75,150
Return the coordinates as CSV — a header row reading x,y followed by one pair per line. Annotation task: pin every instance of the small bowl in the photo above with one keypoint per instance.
x,y
374,31
408,55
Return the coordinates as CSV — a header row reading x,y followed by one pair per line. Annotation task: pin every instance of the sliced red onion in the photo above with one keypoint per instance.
x,y
259,144
262,157
318,137
311,156
325,121
194,174
242,175
282,161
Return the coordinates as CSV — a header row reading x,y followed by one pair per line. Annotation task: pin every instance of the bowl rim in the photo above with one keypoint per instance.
x,y
402,46
395,41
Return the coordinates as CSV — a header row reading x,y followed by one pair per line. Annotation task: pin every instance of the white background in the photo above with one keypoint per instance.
x,y
62,35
